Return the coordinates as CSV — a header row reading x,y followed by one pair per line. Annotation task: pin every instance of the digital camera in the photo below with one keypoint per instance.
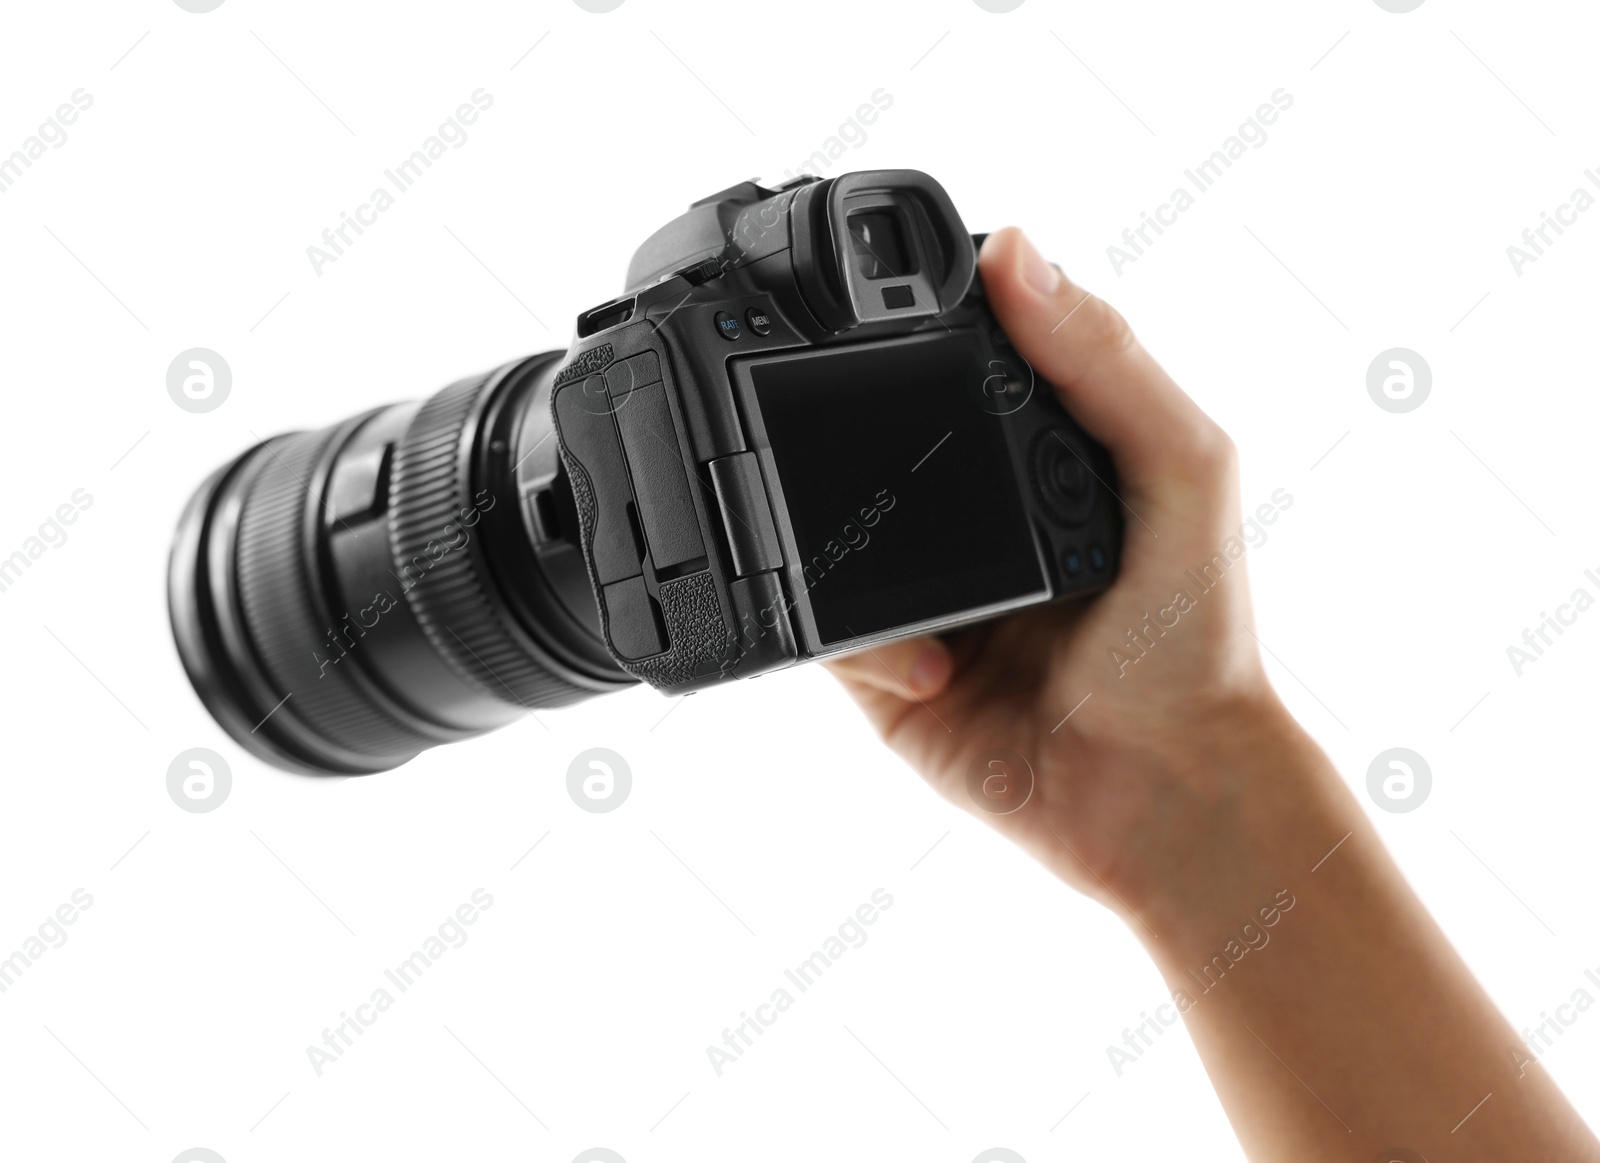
x,y
799,432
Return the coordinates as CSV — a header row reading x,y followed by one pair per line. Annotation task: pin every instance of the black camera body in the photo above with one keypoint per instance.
x,y
801,432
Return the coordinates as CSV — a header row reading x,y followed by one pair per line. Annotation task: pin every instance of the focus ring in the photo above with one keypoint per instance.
x,y
298,651
432,515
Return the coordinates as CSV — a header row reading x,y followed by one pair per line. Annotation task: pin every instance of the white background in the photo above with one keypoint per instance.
x,y
177,214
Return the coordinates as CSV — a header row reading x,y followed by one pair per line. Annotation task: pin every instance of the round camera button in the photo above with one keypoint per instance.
x,y
759,321
1062,482
727,326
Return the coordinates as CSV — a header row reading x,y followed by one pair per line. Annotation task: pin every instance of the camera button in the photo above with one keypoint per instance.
x,y
1062,479
1072,562
727,326
1097,558
758,320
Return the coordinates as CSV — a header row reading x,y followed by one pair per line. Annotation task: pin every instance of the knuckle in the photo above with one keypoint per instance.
x,y
1223,453
1105,329
1212,456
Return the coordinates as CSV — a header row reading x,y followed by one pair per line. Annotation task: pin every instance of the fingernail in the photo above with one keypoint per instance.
x,y
1036,271
930,670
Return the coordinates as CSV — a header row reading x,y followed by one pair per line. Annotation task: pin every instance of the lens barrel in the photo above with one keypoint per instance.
x,y
346,598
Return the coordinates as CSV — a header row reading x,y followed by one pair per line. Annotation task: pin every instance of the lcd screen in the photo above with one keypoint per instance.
x,y
901,500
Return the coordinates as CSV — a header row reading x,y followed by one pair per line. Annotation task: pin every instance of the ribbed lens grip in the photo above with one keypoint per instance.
x,y
432,530
277,579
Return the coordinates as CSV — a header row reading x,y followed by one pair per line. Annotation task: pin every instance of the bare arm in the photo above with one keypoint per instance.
x,y
1348,1026
1334,1018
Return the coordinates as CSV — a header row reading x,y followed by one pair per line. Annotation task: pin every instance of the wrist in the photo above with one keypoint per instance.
x,y
1260,806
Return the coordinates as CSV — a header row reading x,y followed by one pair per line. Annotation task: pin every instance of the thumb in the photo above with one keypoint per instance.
x,y
1164,446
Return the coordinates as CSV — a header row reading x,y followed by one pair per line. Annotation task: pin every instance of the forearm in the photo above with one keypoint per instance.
x,y
1348,1024
1335,1019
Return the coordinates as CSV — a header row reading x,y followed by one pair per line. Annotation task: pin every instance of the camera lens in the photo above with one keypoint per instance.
x,y
346,598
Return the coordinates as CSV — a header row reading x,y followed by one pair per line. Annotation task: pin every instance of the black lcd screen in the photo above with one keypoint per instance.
x,y
901,498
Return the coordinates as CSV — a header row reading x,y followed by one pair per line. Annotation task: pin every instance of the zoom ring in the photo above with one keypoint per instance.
x,y
276,584
432,514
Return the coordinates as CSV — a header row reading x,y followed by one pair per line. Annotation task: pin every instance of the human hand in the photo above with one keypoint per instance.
x,y
1171,784
1135,709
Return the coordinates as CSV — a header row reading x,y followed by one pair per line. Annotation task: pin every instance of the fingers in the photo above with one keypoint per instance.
x,y
916,668
1163,444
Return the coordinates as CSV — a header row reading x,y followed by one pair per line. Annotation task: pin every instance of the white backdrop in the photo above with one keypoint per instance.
x,y
208,951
